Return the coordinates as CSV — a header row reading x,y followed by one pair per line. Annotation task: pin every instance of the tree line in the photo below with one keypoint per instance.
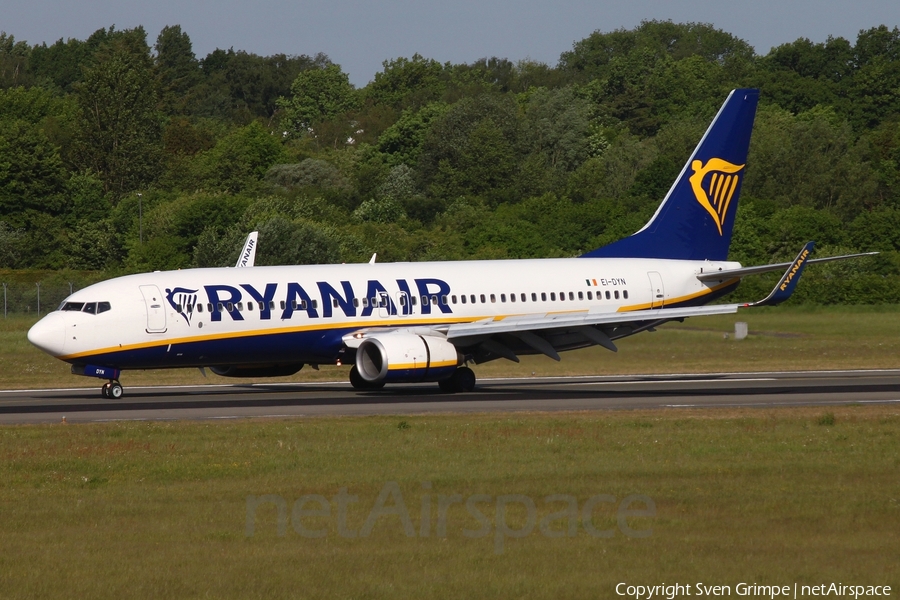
x,y
117,156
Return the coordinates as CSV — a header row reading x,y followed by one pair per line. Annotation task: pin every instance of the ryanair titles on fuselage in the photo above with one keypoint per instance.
x,y
292,297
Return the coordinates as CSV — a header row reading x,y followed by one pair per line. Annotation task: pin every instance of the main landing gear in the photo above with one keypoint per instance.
x,y
112,390
462,380
359,383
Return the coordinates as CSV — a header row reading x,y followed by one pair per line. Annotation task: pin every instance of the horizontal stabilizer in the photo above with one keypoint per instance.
x,y
743,272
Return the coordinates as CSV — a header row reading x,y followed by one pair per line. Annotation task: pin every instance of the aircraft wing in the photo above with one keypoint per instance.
x,y
584,322
538,331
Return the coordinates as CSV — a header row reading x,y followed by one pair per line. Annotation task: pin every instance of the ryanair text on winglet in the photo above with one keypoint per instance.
x,y
797,264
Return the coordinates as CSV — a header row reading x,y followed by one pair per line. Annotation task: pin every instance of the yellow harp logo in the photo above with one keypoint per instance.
x,y
714,193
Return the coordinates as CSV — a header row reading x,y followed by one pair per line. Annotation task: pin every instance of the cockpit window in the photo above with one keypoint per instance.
x,y
92,308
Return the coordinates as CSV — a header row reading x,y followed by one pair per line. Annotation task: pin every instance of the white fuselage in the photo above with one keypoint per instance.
x,y
265,315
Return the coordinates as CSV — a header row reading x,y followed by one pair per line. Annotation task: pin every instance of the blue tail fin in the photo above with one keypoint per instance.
x,y
695,219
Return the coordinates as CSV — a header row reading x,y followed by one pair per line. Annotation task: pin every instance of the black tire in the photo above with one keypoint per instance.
x,y
447,386
115,390
359,383
356,379
104,391
463,380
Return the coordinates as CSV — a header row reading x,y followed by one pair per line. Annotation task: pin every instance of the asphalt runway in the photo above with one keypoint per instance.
x,y
491,395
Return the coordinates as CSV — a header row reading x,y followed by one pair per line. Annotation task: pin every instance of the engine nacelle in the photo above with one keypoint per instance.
x,y
256,370
405,357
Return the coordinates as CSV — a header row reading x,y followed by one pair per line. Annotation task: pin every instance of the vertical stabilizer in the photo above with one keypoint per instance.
x,y
695,220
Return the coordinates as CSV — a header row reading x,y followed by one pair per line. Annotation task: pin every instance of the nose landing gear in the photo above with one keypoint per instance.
x,y
112,390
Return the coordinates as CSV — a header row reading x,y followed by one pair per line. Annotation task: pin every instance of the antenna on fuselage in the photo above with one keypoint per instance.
x,y
372,260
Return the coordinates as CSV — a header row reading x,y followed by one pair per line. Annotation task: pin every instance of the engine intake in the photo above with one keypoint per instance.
x,y
406,357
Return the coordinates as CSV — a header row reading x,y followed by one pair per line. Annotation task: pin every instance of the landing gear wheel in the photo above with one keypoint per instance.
x,y
357,381
115,390
462,380
104,391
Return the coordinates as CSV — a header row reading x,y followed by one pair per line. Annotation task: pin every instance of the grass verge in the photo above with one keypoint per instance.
x,y
137,510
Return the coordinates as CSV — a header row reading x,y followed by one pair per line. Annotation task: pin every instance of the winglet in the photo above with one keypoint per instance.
x,y
248,252
789,280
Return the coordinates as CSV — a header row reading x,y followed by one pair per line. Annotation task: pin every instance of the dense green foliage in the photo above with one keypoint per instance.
x,y
120,156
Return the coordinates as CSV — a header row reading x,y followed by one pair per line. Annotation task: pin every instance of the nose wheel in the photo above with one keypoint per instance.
x,y
112,390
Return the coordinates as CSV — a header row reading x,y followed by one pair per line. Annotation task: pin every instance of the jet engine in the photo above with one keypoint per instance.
x,y
405,357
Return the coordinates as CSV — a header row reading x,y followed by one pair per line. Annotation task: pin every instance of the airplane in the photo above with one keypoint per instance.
x,y
428,321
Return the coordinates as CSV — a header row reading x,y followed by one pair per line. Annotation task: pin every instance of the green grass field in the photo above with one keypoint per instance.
x,y
767,496
149,510
781,339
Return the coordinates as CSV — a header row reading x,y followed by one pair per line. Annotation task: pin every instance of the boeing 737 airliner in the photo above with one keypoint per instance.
x,y
410,322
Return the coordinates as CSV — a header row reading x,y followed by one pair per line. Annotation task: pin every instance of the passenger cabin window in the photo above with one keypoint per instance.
x,y
553,296
483,300
493,298
463,298
534,296
625,294
607,294
543,296
617,294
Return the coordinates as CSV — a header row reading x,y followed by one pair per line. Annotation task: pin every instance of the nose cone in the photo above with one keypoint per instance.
x,y
49,334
